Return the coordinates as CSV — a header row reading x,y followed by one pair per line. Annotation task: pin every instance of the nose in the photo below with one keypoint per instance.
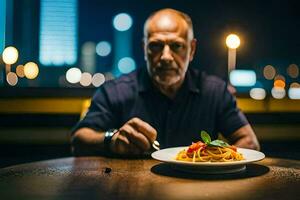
x,y
167,54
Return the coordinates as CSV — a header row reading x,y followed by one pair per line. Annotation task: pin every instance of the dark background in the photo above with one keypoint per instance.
x,y
269,31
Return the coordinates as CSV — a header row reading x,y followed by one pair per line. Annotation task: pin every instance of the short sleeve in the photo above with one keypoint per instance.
x,y
101,114
229,117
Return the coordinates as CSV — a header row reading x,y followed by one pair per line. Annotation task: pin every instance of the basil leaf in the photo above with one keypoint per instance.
x,y
205,137
219,143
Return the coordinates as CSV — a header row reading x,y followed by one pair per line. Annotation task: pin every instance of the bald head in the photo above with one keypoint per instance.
x,y
168,19
169,47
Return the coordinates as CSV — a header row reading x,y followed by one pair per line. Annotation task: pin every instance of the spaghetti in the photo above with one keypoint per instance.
x,y
202,152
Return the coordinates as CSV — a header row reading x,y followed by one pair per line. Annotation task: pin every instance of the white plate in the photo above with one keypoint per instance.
x,y
168,155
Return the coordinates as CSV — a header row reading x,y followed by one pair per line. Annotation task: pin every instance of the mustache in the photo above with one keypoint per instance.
x,y
163,67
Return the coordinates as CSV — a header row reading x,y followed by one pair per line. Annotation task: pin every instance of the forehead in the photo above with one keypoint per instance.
x,y
167,26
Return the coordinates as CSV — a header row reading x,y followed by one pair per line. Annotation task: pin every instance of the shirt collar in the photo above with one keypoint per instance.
x,y
144,81
191,80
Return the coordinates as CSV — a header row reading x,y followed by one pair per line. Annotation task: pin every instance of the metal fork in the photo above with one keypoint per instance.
x,y
156,145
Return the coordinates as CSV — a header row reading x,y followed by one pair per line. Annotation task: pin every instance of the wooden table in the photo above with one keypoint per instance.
x,y
106,178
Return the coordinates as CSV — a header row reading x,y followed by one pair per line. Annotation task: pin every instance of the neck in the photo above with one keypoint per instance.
x,y
169,91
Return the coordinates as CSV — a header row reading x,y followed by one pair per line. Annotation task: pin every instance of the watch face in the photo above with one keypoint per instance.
x,y
111,132
108,136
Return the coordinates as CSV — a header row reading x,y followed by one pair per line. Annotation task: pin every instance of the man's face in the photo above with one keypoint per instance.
x,y
168,50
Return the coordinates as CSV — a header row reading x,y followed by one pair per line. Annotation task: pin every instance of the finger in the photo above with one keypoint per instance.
x,y
120,145
144,128
124,147
140,140
134,149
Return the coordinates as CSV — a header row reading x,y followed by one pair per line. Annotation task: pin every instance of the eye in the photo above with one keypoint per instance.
x,y
156,46
176,46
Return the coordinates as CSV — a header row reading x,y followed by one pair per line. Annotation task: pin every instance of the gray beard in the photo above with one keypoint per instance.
x,y
167,82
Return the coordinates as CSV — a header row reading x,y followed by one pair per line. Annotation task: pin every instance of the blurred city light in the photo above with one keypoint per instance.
x,y
12,78
294,93
73,75
103,48
293,70
20,71
258,93
10,55
279,83
269,72
278,92
126,65
86,79
31,70
88,57
243,78
279,77
88,48
233,41
295,85
122,22
98,79
58,32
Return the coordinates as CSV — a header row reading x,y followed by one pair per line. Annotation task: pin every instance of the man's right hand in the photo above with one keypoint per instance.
x,y
133,138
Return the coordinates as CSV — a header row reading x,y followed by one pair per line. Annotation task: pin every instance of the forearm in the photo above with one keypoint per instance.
x,y
247,142
86,141
245,138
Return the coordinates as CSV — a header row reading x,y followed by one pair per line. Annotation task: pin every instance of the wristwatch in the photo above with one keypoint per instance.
x,y
107,139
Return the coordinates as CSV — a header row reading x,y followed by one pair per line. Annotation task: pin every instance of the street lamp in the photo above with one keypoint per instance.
x,y
232,42
9,56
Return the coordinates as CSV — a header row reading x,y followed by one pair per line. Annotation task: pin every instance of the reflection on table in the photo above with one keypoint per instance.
x,y
111,178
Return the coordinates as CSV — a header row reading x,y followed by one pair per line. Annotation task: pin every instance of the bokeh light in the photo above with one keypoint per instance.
x,y
294,93
293,70
31,70
12,78
10,55
269,72
20,71
295,85
242,78
278,93
233,41
103,48
73,75
98,79
122,22
258,93
88,48
279,77
279,83
86,79
126,65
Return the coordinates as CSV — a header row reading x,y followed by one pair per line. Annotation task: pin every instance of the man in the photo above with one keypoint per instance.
x,y
167,101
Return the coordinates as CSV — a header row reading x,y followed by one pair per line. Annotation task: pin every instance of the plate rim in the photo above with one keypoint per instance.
x,y
154,155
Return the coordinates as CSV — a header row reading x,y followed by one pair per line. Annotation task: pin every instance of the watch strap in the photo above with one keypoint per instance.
x,y
108,137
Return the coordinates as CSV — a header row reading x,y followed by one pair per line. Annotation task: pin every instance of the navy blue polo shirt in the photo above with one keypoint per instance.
x,y
202,103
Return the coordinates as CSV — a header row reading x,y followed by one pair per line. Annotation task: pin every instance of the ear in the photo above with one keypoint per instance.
x,y
144,49
193,48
